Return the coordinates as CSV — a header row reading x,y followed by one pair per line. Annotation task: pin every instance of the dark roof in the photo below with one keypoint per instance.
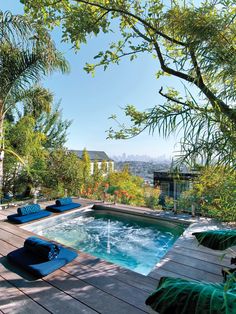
x,y
93,154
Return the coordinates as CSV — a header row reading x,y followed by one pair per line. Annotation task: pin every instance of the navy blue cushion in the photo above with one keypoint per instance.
x,y
42,248
29,209
34,265
59,209
64,201
21,219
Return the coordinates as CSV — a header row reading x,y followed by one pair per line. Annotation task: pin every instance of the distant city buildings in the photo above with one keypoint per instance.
x,y
99,156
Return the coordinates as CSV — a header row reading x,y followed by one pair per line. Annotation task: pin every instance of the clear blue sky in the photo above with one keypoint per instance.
x,y
90,101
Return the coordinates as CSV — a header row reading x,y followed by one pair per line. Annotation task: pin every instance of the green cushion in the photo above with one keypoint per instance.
x,y
180,296
217,239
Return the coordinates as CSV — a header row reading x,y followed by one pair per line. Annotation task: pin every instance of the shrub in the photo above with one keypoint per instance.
x,y
214,192
151,197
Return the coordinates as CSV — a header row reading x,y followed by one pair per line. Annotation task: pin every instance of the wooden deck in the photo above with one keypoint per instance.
x,y
90,285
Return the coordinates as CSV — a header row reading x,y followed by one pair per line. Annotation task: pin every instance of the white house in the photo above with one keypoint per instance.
x,y
99,156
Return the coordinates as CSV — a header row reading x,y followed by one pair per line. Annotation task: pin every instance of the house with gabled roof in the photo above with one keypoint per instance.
x,y
95,155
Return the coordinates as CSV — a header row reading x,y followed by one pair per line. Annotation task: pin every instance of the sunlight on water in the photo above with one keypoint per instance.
x,y
128,242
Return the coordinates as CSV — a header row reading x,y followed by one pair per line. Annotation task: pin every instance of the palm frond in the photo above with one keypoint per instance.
x,y
14,28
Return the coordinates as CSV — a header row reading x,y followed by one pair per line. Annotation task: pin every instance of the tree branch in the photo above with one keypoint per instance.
x,y
145,23
195,64
169,70
190,106
121,56
216,103
172,99
137,31
101,16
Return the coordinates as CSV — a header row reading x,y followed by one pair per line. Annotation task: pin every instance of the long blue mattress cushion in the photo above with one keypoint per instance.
x,y
59,209
22,219
29,209
43,249
64,201
33,264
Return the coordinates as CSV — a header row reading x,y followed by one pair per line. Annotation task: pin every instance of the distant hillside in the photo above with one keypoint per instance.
x,y
142,169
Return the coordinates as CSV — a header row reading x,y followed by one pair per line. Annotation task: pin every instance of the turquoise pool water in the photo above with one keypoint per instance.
x,y
130,241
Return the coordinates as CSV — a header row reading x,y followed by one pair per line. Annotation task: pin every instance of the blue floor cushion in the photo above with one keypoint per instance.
x,y
21,219
28,209
62,208
64,201
46,250
34,264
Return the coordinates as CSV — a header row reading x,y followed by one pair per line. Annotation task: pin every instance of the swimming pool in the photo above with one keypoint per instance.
x,y
131,241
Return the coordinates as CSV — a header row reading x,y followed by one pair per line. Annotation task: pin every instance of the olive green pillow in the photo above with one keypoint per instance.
x,y
216,239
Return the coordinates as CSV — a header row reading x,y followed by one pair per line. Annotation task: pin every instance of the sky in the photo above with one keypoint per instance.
x,y
90,101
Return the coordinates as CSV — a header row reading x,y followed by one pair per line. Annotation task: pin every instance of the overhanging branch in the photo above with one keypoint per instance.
x,y
137,18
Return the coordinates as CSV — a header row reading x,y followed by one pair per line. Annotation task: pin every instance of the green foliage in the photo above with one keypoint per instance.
x,y
25,59
97,175
151,197
32,140
54,127
110,167
128,188
22,139
86,170
214,192
217,239
180,296
64,171
193,43
36,101
104,167
169,202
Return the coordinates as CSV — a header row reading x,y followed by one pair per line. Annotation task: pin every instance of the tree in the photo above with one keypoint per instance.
x,y
36,101
22,139
104,167
54,127
33,138
25,59
110,167
97,175
126,187
86,166
214,192
195,44
64,171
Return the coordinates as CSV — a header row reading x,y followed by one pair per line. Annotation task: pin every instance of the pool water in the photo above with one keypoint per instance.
x,y
130,241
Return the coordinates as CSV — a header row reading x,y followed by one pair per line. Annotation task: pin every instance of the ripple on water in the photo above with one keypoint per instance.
x,y
130,243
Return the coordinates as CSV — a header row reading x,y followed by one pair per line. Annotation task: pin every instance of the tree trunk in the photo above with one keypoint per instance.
x,y
1,147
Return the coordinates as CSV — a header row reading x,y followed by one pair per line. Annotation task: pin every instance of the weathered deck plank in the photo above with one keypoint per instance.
x,y
90,295
44,294
206,255
13,301
99,296
90,285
